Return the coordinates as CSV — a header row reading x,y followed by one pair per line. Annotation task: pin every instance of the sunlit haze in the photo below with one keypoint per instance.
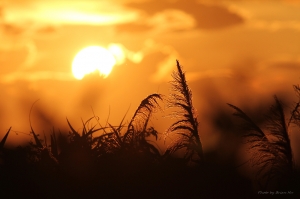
x,y
238,52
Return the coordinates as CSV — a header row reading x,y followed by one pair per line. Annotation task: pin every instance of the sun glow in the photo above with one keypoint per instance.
x,y
93,58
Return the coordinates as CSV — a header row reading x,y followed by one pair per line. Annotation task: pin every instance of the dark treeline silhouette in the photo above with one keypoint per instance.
x,y
124,161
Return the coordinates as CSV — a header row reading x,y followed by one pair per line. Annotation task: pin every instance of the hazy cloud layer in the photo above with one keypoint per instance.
x,y
269,15
206,16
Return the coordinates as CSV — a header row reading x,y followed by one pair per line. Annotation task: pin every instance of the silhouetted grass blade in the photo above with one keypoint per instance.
x,y
4,139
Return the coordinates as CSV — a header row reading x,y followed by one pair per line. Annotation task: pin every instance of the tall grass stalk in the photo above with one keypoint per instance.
x,y
187,125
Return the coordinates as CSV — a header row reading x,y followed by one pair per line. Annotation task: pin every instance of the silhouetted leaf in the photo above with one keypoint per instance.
x,y
4,139
73,130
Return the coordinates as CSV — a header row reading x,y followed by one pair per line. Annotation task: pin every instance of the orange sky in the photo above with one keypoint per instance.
x,y
240,52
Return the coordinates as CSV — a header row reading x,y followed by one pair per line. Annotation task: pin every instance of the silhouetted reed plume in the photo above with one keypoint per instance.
x,y
137,127
187,125
270,149
295,113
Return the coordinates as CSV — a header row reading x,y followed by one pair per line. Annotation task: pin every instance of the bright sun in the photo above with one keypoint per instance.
x,y
93,58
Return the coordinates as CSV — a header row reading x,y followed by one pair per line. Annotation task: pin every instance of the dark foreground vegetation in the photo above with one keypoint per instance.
x,y
123,161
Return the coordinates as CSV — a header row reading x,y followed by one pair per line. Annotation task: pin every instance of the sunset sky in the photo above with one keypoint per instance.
x,y
240,52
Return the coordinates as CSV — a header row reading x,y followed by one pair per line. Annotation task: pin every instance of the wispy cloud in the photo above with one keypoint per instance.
x,y
66,12
275,25
269,15
172,19
205,16
216,73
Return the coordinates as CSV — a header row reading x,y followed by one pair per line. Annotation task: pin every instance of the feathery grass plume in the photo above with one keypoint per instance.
x,y
137,127
276,123
258,146
187,125
4,139
270,153
143,113
295,113
252,130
